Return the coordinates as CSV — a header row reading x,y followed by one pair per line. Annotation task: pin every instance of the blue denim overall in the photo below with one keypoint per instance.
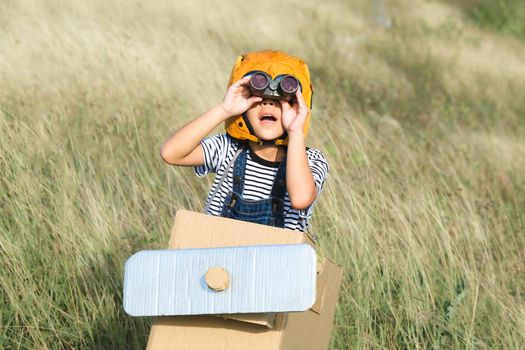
x,y
268,211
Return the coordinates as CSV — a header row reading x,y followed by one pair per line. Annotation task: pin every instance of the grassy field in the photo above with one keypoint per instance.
x,y
423,124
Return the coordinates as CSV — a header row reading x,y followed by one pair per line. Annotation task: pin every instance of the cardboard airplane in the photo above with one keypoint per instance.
x,y
230,284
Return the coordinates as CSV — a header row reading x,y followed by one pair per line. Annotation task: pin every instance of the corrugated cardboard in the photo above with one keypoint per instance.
x,y
307,330
196,230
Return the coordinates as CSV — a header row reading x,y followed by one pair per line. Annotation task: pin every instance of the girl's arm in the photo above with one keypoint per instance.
x,y
299,179
183,147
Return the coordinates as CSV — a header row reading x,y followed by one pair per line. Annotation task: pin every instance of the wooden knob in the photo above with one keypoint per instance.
x,y
217,279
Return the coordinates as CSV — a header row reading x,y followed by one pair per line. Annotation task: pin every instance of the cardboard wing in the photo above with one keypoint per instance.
x,y
248,279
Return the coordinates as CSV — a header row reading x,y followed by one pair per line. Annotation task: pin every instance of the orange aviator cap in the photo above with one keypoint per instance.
x,y
274,63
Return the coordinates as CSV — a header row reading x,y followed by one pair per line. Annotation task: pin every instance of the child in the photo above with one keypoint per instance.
x,y
265,174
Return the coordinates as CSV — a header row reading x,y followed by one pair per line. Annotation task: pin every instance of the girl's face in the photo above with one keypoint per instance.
x,y
265,119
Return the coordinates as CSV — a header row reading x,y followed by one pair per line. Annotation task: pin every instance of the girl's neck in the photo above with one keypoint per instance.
x,y
271,153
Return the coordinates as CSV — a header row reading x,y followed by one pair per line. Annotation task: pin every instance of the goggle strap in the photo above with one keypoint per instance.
x,y
247,122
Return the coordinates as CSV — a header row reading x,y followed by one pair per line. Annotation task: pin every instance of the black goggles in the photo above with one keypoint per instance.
x,y
284,86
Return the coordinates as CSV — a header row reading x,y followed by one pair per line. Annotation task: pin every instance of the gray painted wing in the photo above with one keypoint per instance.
x,y
271,278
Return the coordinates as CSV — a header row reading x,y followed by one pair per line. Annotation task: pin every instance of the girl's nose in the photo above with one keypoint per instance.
x,y
268,102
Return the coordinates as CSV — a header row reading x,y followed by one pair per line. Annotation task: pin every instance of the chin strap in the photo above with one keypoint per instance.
x,y
278,141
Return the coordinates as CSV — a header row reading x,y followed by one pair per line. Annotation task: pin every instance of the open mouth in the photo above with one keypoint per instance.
x,y
268,117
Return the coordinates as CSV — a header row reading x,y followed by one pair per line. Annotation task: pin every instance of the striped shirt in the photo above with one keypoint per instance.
x,y
219,150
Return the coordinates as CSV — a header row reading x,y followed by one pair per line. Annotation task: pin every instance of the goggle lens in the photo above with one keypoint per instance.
x,y
259,81
289,84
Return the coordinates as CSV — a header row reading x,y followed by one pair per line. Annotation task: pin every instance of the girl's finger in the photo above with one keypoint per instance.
x,y
285,105
254,99
244,80
300,99
240,82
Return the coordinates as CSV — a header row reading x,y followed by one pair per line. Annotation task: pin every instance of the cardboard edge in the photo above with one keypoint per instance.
x,y
125,292
323,279
266,320
183,216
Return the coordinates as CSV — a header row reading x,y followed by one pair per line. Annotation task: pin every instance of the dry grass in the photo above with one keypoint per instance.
x,y
422,124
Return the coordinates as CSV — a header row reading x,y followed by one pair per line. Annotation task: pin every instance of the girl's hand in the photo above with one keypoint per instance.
x,y
294,117
237,99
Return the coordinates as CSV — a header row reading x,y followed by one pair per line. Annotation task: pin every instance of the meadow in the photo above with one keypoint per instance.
x,y
422,120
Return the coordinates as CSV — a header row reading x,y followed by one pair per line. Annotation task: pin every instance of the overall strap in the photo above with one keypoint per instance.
x,y
239,167
225,174
279,184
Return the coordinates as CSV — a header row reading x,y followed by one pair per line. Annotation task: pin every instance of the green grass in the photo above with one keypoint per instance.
x,y
423,126
505,16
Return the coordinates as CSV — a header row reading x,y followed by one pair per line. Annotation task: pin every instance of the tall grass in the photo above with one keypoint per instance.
x,y
423,126
503,16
